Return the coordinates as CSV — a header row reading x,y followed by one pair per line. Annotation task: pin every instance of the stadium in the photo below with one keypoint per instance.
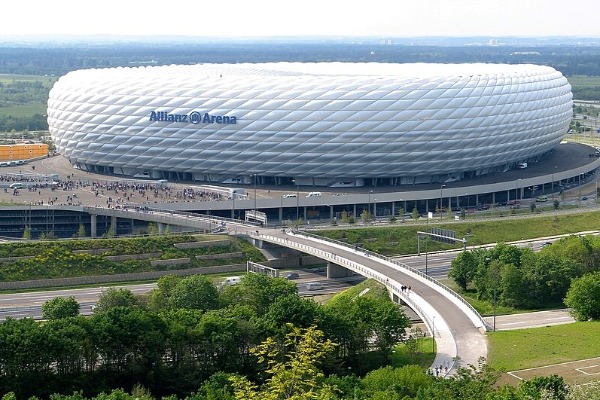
x,y
319,124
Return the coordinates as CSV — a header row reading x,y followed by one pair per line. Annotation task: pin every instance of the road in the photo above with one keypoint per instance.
x,y
29,304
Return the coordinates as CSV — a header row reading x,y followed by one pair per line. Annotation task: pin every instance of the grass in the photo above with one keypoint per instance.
x,y
422,354
24,110
47,81
536,347
401,240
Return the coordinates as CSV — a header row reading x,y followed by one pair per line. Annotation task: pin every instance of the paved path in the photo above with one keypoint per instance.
x,y
460,342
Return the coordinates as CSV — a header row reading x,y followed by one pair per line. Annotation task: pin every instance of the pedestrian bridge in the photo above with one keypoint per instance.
x,y
458,329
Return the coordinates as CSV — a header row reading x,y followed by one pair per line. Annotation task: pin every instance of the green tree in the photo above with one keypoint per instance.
x,y
471,383
544,387
60,307
81,231
583,297
195,292
395,383
115,297
27,233
415,213
292,368
365,216
258,291
159,298
293,309
463,269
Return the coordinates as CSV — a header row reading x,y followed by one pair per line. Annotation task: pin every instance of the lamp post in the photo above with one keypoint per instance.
x,y
369,206
254,195
375,210
441,201
297,200
426,255
233,204
552,186
433,335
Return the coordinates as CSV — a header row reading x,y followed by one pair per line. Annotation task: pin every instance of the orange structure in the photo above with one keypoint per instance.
x,y
25,151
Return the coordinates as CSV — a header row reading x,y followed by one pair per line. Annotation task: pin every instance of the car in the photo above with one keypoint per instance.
x,y
584,198
546,244
292,275
16,185
289,195
314,194
314,286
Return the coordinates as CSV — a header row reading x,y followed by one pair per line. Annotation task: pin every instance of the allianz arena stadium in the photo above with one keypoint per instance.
x,y
322,124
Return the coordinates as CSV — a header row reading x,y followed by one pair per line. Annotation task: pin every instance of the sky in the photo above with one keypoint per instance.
x,y
258,18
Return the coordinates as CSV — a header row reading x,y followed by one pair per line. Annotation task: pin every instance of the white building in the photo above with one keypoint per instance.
x,y
316,123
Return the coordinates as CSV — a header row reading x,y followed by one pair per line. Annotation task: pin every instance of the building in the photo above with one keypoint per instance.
x,y
322,124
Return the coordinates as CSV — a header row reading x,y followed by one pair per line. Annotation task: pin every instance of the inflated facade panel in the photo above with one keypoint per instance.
x,y
310,120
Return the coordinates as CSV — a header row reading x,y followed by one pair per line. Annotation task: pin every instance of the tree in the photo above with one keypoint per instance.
x,y
395,383
583,297
365,216
258,291
292,368
115,297
81,231
60,307
544,387
159,298
195,292
463,269
293,309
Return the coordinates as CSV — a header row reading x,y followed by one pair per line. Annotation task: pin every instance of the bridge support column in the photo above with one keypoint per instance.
x,y
281,215
335,271
113,225
93,225
161,228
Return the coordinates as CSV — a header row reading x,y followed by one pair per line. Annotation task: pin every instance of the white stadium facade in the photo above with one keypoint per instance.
x,y
323,124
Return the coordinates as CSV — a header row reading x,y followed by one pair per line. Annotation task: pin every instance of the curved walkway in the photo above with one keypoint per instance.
x,y
458,329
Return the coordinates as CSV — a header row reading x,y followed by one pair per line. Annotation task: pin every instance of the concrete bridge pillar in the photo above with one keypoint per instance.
x,y
336,271
113,224
161,227
93,225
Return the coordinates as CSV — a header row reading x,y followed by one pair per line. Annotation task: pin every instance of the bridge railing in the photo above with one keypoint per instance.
x,y
407,267
392,285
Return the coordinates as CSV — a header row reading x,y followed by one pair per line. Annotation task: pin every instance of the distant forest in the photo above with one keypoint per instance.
x,y
58,59
23,100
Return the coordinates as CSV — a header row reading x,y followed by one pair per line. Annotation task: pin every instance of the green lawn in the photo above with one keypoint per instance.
x,y
402,238
536,347
25,110
47,81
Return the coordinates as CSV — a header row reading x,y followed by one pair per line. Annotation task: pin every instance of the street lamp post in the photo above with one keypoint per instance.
x,y
297,200
552,186
433,335
375,210
369,206
426,255
254,194
441,201
233,204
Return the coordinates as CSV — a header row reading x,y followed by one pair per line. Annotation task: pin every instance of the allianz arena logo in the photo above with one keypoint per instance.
x,y
194,117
